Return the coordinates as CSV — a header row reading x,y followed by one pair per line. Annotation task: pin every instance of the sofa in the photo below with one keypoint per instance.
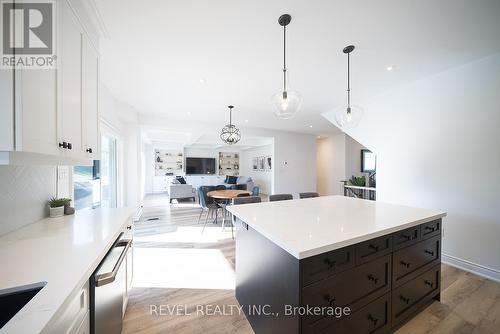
x,y
180,190
239,182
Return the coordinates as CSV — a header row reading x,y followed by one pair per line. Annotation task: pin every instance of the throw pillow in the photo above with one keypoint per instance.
x,y
181,180
232,179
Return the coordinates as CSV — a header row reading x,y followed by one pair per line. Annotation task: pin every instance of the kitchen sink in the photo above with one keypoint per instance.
x,y
12,300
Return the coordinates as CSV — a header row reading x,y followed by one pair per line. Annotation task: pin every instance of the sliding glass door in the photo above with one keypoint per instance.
x,y
109,165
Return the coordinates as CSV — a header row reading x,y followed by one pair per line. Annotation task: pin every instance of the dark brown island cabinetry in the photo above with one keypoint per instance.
x,y
384,282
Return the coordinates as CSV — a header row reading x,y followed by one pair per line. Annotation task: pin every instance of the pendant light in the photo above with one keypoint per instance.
x,y
348,116
230,134
286,102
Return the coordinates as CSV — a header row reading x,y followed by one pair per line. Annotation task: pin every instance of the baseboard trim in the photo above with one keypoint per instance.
x,y
471,267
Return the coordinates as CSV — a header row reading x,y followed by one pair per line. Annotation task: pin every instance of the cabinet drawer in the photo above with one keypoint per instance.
x,y
355,287
430,229
409,297
322,266
412,261
406,237
371,249
372,318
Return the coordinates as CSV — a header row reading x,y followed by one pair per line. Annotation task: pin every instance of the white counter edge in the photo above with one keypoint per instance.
x,y
345,243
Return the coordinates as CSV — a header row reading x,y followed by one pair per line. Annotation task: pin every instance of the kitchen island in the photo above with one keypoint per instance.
x,y
335,264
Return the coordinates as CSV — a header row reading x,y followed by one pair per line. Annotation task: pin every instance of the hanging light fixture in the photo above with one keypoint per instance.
x,y
348,116
230,134
286,102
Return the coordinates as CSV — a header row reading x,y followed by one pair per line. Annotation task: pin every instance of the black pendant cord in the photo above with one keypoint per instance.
x,y
348,83
230,115
284,60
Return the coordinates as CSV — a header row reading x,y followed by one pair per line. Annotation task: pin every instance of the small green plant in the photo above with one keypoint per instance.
x,y
55,202
359,181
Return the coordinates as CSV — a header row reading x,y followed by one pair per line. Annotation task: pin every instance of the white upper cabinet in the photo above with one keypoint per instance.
x,y
90,100
70,68
52,116
6,110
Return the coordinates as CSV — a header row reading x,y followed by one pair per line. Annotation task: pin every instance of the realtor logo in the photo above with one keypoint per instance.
x,y
28,34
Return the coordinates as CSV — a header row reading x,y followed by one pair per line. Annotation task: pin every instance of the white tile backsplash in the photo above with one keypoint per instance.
x,y
24,191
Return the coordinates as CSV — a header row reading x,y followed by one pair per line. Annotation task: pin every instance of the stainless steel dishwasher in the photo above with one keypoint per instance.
x,y
108,286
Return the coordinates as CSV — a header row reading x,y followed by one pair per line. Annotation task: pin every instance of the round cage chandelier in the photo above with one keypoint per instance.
x,y
230,134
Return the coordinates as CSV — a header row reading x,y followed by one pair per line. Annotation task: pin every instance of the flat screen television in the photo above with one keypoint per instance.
x,y
200,166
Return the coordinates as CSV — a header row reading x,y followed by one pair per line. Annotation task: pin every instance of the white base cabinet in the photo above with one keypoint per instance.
x,y
75,316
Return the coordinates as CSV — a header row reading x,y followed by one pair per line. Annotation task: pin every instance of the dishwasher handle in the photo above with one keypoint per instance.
x,y
109,277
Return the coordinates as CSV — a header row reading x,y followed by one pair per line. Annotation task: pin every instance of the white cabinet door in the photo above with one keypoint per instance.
x,y
37,112
71,81
90,100
6,110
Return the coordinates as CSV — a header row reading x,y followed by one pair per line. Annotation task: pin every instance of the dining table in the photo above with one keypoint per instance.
x,y
225,196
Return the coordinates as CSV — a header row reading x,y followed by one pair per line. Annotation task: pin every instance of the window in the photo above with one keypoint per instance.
x,y
108,172
86,185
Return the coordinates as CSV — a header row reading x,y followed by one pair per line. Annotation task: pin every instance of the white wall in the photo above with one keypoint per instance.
x,y
352,157
24,193
263,179
149,167
122,120
437,147
331,164
338,159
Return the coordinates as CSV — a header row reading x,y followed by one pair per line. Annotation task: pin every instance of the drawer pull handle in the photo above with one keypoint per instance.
x,y
430,228
429,283
407,237
429,252
330,300
405,264
374,247
372,319
406,300
373,278
63,144
330,263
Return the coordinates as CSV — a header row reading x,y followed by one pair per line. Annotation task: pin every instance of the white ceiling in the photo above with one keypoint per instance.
x,y
156,51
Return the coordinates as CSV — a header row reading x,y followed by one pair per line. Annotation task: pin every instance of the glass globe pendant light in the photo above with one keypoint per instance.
x,y
230,134
286,102
348,116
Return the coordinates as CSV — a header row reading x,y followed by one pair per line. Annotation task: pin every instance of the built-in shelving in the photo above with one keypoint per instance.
x,y
168,162
229,163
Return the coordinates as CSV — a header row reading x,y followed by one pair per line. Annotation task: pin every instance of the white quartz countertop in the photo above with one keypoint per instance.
x,y
64,252
308,227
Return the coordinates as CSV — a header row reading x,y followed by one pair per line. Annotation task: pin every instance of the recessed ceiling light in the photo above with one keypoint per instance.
x,y
310,126
189,113
202,81
389,68
319,137
246,121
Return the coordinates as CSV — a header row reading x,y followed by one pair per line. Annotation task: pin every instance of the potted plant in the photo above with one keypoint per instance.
x,y
56,207
68,210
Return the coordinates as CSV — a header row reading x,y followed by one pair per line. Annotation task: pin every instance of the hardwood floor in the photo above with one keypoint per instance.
x,y
175,264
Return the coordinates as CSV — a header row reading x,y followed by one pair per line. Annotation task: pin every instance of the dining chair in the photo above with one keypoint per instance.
x,y
255,191
220,187
207,203
243,200
246,200
308,195
280,197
